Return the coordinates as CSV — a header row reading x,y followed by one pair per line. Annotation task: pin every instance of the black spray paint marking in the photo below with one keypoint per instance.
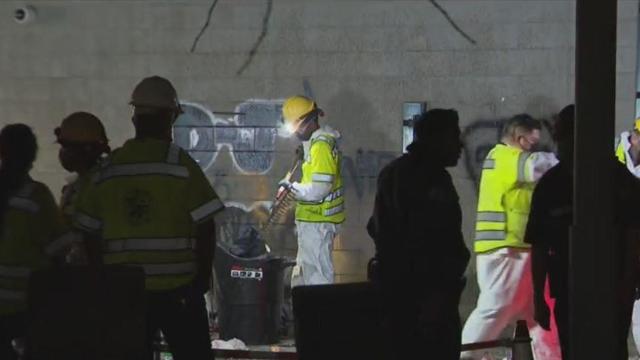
x,y
361,173
263,34
204,27
453,23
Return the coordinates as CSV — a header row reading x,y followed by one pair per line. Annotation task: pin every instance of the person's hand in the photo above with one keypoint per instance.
x,y
285,183
542,314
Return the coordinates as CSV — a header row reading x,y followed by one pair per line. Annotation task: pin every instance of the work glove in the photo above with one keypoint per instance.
x,y
542,314
285,183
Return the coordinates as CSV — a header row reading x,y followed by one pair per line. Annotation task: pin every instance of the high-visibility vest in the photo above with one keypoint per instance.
x,y
322,165
145,202
70,198
504,200
30,222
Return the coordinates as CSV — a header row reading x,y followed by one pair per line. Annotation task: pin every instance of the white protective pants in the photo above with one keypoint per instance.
x,y
506,295
314,264
635,324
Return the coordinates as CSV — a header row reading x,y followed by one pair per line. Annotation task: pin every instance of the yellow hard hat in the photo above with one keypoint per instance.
x,y
636,125
81,127
154,93
295,109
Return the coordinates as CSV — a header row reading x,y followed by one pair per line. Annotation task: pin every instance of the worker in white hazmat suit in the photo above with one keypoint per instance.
x,y
319,194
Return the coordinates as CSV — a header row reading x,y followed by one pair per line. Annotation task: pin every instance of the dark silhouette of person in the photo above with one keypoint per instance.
x,y
547,231
29,221
421,255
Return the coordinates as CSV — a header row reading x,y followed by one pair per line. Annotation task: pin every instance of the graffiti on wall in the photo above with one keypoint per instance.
x,y
249,134
361,171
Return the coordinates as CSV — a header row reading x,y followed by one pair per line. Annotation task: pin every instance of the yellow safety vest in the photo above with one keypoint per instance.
x,y
145,202
323,165
504,200
30,222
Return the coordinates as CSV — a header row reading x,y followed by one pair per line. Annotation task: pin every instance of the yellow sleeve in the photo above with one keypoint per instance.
x,y
324,166
201,200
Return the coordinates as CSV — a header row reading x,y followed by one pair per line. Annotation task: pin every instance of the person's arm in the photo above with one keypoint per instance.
x,y
324,168
313,192
203,203
535,165
539,258
539,272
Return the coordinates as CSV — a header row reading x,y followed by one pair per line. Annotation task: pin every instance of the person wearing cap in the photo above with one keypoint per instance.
x,y
320,194
628,153
83,143
151,206
421,254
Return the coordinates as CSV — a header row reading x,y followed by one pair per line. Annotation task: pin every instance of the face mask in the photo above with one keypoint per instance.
x,y
536,147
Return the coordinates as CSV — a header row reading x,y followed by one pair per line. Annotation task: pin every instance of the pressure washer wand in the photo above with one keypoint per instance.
x,y
284,193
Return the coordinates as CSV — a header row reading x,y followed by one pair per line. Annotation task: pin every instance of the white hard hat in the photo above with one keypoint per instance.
x,y
155,92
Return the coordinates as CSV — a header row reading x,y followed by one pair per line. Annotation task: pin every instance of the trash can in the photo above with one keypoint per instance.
x,y
249,294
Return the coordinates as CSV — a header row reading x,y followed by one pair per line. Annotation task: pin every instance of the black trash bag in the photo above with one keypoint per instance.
x,y
249,243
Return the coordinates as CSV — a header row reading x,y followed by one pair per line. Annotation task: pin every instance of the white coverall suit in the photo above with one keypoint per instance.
x,y
506,289
320,209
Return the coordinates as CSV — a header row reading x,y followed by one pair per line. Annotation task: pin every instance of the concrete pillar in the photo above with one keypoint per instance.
x,y
592,321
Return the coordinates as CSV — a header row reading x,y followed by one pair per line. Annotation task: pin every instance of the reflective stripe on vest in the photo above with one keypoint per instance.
x,y
491,216
324,178
158,244
522,165
12,295
489,164
334,210
490,235
21,203
169,269
143,169
88,222
206,209
334,195
14,271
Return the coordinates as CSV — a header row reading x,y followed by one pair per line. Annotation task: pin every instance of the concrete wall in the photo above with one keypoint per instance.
x,y
361,59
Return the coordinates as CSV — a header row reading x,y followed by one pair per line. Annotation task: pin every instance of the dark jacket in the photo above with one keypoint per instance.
x,y
416,226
